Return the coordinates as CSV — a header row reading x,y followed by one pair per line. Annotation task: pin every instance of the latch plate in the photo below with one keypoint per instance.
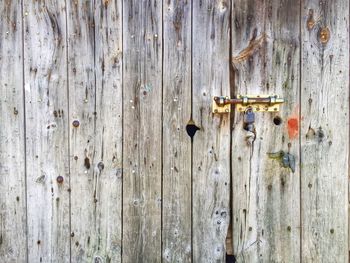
x,y
257,107
258,103
221,109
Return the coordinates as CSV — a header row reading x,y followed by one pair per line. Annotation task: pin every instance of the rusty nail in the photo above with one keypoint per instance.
x,y
76,123
59,179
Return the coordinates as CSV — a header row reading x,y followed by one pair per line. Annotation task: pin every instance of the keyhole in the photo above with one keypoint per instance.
x,y
277,120
191,128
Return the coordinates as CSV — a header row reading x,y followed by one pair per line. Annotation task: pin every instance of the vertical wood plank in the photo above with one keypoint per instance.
x,y
265,47
325,130
176,229
45,68
142,100
12,156
95,80
211,144
82,120
108,131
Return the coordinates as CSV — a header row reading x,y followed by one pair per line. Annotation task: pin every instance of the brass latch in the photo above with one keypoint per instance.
x,y
263,103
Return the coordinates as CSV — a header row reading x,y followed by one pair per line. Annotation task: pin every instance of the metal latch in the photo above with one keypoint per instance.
x,y
263,103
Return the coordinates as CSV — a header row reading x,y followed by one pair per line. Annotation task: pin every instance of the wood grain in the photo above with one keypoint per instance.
x,y
95,90
95,161
265,56
108,132
325,130
211,144
82,121
12,156
142,140
45,73
176,228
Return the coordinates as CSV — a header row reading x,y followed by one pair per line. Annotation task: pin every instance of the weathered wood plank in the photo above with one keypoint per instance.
x,y
265,47
176,143
109,132
82,119
325,130
12,155
95,90
142,100
45,70
211,144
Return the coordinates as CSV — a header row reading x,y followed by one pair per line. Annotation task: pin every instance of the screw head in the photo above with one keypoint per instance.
x,y
59,179
76,123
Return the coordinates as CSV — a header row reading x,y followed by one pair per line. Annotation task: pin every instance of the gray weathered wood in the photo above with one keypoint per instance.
x,y
12,156
109,132
94,29
95,161
265,47
211,144
325,130
45,74
142,100
176,228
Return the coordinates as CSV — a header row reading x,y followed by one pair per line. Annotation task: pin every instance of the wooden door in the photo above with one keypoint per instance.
x,y
110,151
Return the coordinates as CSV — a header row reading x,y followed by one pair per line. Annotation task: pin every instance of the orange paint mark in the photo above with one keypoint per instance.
x,y
293,127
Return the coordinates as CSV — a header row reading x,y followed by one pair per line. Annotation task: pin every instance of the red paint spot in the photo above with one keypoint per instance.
x,y
293,128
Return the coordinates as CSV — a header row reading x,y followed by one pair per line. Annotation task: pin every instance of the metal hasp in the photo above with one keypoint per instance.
x,y
263,103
